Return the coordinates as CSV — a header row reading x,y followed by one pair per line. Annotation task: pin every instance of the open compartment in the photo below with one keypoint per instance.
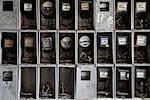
x,y
123,14
28,83
141,14
66,83
47,47
104,47
66,48
104,82
47,14
67,14
123,48
123,82
28,47
28,14
9,47
141,47
85,14
47,83
86,48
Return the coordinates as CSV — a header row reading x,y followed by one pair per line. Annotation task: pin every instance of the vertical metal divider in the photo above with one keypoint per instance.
x,y
95,48
133,82
57,82
19,48
76,48
57,50
38,14
96,81
132,34
75,82
57,14
77,65
37,81
114,51
76,14
39,47
19,16
133,67
95,60
19,82
114,57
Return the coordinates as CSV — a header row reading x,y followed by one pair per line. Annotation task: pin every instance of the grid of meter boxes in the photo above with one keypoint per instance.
x,y
74,49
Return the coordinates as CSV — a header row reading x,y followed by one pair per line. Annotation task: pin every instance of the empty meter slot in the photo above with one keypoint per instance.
x,y
28,82
66,83
47,82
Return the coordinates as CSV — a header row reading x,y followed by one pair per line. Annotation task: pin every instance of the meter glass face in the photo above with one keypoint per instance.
x,y
124,75
104,41
7,76
122,40
141,40
47,43
141,73
140,7
66,7
103,73
104,6
122,6
85,75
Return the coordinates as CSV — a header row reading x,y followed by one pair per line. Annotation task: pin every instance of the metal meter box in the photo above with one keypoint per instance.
x,y
28,14
9,14
28,83
86,48
67,83
86,78
8,82
66,14
67,48
104,15
123,48
47,83
141,14
123,14
85,14
123,82
9,47
142,81
47,14
104,47
28,47
104,82
141,47
47,48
